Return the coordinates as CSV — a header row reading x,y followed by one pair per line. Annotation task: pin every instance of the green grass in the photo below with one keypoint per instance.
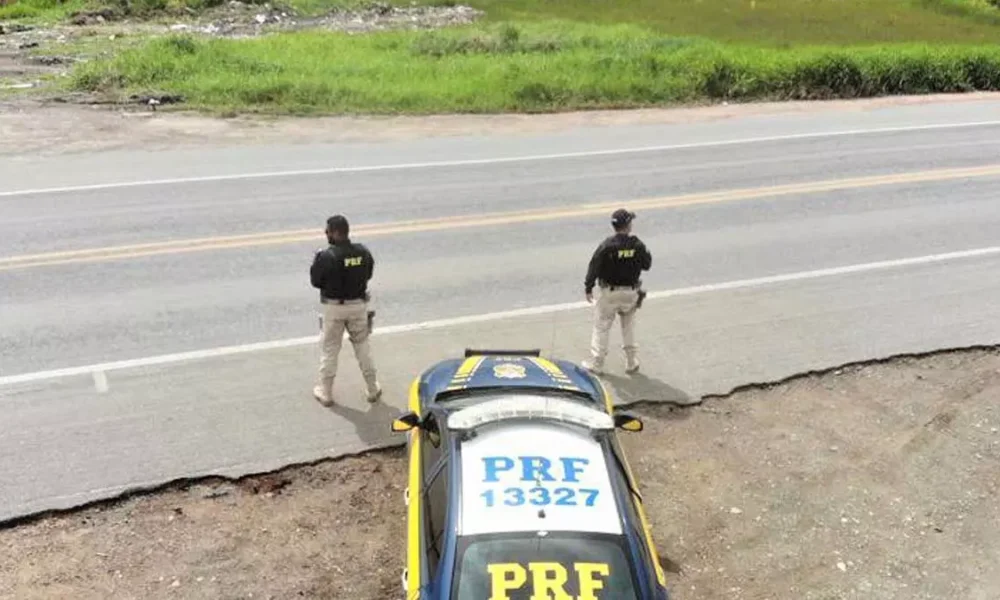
x,y
984,11
535,67
541,55
45,11
777,21
766,22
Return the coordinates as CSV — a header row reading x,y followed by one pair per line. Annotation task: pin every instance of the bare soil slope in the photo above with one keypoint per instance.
x,y
876,481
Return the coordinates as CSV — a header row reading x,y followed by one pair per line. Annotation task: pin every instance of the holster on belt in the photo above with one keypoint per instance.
x,y
642,294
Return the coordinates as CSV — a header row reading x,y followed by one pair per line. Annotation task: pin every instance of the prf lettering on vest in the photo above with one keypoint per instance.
x,y
353,261
626,253
547,579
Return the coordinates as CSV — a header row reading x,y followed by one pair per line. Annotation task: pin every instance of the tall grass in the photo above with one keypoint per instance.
x,y
759,22
777,22
983,11
39,10
520,68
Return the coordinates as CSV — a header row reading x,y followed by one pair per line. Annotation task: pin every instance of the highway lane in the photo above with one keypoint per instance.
x,y
95,218
65,315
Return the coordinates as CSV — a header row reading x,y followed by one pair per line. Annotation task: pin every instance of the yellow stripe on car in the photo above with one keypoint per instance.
x,y
549,367
608,402
413,559
465,372
646,529
555,373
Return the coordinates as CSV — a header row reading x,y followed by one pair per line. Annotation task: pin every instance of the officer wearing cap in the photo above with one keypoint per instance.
x,y
616,266
341,272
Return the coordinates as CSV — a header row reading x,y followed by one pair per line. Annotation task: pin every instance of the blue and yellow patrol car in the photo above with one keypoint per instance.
x,y
518,488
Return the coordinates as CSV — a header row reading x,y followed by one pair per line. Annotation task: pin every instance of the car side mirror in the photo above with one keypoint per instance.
x,y
628,422
405,422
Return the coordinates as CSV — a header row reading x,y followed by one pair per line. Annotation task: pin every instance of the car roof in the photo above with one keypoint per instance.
x,y
507,371
534,466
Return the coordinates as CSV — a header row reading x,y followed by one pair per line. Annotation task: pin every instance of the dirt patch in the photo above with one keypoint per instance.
x,y
873,482
19,64
304,533
238,19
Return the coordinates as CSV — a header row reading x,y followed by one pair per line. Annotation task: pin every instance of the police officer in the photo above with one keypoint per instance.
x,y
341,272
616,265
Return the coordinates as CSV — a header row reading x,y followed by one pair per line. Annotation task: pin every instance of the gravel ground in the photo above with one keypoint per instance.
x,y
875,481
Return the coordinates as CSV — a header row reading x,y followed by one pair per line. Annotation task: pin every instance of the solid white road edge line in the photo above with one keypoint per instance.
x,y
536,310
495,160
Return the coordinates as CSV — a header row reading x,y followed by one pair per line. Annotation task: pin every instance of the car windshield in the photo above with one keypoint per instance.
x,y
466,398
563,565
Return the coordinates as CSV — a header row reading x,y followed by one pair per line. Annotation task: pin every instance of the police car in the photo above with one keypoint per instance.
x,y
518,488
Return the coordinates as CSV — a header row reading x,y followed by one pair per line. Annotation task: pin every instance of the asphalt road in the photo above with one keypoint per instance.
x,y
862,198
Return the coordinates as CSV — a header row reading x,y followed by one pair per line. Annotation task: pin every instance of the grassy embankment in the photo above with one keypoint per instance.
x,y
570,54
38,10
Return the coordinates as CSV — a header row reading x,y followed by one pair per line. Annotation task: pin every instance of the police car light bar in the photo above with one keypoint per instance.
x,y
530,407
473,352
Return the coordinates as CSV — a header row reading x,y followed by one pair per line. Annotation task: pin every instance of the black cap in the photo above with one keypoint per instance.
x,y
622,217
338,223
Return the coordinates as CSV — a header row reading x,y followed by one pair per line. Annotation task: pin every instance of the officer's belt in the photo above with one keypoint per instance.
x,y
326,300
629,286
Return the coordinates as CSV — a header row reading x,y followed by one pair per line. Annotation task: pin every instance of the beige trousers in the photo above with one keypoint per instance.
x,y
619,302
351,316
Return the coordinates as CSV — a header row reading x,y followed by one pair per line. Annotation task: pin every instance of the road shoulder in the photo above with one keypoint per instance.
x,y
31,127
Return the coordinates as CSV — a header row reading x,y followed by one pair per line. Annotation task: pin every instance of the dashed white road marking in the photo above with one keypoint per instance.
x,y
101,381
